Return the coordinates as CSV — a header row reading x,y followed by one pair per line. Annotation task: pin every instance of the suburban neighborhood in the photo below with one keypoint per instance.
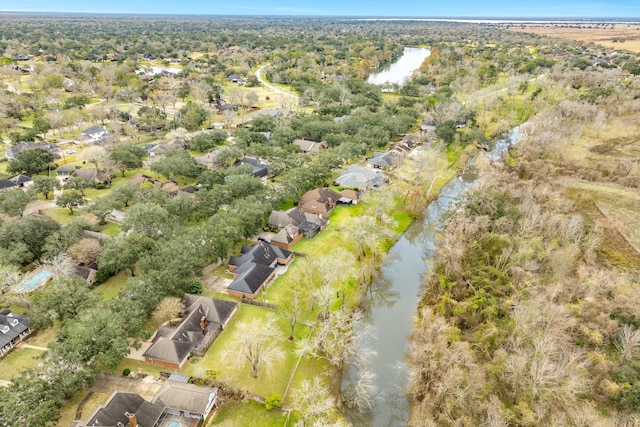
x,y
247,220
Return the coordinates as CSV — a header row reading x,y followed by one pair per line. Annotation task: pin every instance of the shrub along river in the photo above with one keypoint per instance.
x,y
391,303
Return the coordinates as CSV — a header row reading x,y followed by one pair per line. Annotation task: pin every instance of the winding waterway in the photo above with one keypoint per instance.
x,y
401,70
392,301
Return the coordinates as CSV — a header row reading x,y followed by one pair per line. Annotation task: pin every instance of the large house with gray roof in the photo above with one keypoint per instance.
x,y
13,329
362,178
176,403
203,319
14,150
293,225
255,268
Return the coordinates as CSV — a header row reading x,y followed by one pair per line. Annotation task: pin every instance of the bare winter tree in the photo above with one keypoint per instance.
x,y
628,342
313,401
257,346
293,309
85,251
59,265
169,308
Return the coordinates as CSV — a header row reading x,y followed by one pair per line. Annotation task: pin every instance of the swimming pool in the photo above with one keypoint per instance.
x,y
38,279
174,424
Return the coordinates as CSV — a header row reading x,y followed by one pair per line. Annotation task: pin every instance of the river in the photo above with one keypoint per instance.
x,y
401,70
392,302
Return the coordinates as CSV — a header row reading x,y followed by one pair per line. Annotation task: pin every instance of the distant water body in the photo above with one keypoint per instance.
x,y
403,68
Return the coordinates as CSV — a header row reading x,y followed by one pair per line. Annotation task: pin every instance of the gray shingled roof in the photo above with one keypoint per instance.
x,y
6,183
184,397
169,350
175,344
251,277
8,320
260,253
113,412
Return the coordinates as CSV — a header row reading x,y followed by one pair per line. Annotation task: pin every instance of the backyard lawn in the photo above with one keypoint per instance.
x,y
17,360
332,236
70,407
240,376
110,288
248,414
137,366
43,337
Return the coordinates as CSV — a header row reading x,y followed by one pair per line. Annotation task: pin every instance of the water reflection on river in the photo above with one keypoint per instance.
x,y
403,68
391,302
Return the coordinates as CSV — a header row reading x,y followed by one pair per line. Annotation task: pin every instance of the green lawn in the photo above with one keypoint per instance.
x,y
248,413
17,360
68,411
135,365
109,289
307,370
264,385
332,236
61,215
43,337
110,228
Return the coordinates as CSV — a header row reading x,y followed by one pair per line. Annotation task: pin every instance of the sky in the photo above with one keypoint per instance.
x,y
387,8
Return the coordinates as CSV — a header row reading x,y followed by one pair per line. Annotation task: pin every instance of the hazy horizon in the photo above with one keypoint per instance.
x,y
455,9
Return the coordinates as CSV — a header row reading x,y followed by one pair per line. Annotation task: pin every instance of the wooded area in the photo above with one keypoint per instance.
x,y
529,316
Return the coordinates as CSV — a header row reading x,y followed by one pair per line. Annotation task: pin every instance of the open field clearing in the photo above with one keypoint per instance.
x,y
616,36
619,205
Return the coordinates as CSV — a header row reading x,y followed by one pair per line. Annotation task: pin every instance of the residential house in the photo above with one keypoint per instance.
x,y
176,403
171,187
310,146
268,135
64,172
320,201
294,224
87,173
186,400
159,71
6,184
93,134
349,197
210,160
87,273
362,178
385,160
14,150
21,57
237,78
255,268
162,147
202,320
260,169
261,253
139,179
287,237
13,329
22,181
250,279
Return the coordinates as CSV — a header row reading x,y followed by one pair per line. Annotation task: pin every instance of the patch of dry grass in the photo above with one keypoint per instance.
x,y
619,205
616,36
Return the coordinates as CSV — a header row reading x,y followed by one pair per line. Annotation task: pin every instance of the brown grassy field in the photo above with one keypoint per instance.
x,y
616,36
